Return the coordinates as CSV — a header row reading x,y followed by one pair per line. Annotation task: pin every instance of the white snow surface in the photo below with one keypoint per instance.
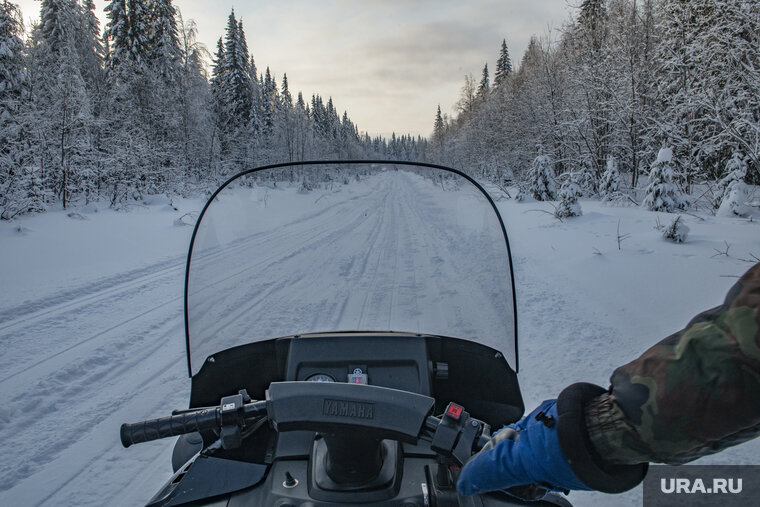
x,y
92,329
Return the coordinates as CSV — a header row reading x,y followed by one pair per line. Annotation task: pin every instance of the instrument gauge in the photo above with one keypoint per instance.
x,y
320,377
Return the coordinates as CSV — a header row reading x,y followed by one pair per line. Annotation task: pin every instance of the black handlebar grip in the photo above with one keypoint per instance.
x,y
171,426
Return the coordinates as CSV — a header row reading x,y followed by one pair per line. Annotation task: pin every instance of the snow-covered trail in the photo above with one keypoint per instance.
x,y
394,257
74,367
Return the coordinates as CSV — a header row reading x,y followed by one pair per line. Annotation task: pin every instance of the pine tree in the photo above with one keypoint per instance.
x,y
503,65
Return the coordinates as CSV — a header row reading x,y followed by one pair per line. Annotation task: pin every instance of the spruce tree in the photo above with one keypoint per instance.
x,y
438,126
732,191
662,193
218,84
568,205
610,185
269,94
287,98
485,85
116,36
138,31
239,88
57,25
542,184
90,48
164,44
503,65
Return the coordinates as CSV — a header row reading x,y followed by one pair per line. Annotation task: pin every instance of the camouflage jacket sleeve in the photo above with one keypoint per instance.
x,y
692,394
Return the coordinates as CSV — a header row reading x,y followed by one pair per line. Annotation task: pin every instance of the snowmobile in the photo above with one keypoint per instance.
x,y
351,339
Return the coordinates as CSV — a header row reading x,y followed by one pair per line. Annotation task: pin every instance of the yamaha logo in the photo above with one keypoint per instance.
x,y
352,409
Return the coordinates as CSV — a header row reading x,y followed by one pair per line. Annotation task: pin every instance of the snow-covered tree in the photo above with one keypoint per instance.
x,y
13,73
662,194
610,184
116,36
62,120
676,231
542,184
503,65
14,179
735,172
268,103
164,44
218,86
733,191
568,204
484,87
239,86
90,49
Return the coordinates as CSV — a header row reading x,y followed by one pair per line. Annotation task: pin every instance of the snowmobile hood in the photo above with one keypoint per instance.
x,y
292,249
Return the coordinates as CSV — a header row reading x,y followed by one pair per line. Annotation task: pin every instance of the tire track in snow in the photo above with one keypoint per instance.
x,y
31,370
85,294
60,409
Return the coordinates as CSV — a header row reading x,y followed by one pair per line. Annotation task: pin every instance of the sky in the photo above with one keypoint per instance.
x,y
389,63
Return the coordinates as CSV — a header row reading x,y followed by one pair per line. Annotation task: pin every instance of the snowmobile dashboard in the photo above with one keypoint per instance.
x,y
446,369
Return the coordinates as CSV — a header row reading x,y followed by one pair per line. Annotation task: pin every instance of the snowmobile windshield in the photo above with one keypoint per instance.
x,y
326,247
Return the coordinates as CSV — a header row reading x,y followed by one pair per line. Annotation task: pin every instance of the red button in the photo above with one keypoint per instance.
x,y
454,410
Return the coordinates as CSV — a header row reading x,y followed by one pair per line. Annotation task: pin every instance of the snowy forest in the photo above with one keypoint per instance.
x,y
629,97
88,114
659,95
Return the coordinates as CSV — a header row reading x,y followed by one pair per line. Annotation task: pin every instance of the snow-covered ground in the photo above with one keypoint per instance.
x,y
92,331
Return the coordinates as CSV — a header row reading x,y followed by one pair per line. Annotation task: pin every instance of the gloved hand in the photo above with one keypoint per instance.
x,y
527,452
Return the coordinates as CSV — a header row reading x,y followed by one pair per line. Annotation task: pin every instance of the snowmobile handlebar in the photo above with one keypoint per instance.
x,y
171,426
372,411
188,422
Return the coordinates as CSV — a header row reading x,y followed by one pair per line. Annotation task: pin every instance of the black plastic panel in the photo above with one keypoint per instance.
x,y
323,407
